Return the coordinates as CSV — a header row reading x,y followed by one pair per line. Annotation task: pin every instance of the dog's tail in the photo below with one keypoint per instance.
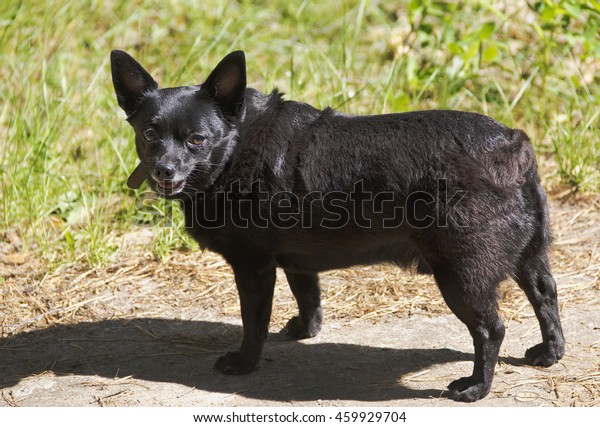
x,y
536,195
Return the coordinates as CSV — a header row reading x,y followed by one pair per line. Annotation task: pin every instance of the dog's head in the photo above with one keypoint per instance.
x,y
183,135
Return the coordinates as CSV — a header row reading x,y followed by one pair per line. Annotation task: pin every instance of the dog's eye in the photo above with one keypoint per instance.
x,y
150,135
197,139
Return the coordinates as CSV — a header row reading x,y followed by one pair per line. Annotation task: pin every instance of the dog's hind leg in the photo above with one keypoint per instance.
x,y
534,277
476,306
305,287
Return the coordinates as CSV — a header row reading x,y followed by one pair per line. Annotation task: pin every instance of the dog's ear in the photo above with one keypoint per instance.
x,y
130,80
226,84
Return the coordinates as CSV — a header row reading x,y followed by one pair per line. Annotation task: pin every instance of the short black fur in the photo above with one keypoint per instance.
x,y
271,183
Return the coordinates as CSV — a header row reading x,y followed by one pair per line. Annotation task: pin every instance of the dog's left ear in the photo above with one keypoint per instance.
x,y
226,84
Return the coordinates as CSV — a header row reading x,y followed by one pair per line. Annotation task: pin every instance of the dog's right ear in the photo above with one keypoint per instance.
x,y
130,80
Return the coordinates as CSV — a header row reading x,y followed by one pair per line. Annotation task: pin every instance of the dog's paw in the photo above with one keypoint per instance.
x,y
297,330
233,363
545,354
468,390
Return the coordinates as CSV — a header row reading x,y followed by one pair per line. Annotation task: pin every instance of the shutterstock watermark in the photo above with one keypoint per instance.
x,y
257,207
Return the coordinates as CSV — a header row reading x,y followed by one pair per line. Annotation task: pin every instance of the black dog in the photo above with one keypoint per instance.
x,y
271,183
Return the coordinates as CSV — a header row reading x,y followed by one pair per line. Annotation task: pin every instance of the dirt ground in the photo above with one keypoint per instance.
x,y
139,332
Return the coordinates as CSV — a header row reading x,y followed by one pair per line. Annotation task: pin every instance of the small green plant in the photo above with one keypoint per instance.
x,y
578,163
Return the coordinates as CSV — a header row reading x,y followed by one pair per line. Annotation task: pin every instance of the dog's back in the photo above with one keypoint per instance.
x,y
419,177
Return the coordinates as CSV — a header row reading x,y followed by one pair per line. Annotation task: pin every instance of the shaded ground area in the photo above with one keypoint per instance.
x,y
142,332
396,362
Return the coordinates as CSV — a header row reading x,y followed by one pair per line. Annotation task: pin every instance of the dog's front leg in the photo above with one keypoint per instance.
x,y
255,282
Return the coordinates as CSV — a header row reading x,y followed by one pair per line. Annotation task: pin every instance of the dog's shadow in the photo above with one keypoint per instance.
x,y
184,352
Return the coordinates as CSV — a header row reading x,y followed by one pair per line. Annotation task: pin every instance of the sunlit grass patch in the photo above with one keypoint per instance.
x,y
66,150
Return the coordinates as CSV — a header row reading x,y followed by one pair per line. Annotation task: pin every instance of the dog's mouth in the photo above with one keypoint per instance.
x,y
169,187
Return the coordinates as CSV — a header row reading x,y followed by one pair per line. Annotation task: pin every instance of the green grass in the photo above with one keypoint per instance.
x,y
66,150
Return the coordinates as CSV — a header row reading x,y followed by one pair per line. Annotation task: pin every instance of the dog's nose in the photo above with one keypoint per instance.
x,y
163,172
